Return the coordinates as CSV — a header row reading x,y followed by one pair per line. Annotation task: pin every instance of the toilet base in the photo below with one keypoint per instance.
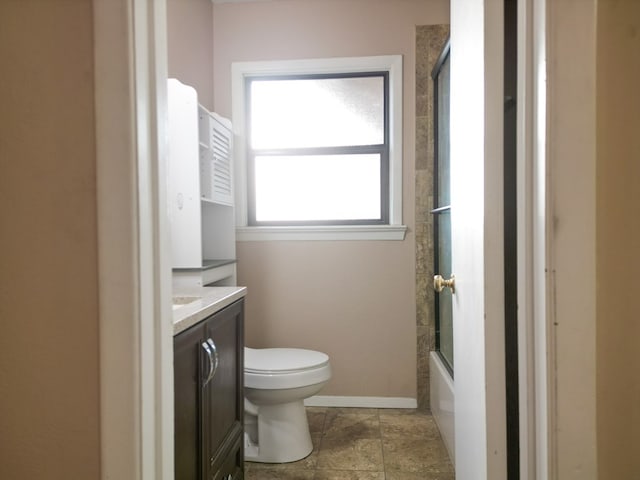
x,y
282,434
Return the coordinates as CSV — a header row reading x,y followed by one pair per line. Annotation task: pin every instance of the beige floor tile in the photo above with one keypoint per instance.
x,y
278,474
420,426
307,463
411,455
347,475
316,421
402,411
316,409
363,444
420,476
345,454
341,410
351,425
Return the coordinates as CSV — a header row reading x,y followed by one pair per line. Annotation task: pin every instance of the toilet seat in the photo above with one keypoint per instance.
x,y
280,368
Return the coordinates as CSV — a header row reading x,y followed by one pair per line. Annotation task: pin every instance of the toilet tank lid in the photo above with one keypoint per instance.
x,y
282,359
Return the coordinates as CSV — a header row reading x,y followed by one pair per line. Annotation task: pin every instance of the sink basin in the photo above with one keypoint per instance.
x,y
181,301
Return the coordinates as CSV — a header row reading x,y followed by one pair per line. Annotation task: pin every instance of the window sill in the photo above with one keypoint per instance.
x,y
322,233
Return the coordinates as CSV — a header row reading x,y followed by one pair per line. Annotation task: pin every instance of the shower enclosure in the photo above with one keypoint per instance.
x,y
442,210
441,361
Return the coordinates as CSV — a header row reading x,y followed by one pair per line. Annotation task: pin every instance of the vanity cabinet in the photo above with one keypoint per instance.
x,y
209,401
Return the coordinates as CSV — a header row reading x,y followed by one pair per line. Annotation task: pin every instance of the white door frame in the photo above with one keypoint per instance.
x,y
556,239
533,357
136,364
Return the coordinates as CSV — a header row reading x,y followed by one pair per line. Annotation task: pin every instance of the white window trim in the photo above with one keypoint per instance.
x,y
395,230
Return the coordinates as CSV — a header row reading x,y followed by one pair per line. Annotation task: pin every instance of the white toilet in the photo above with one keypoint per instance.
x,y
276,381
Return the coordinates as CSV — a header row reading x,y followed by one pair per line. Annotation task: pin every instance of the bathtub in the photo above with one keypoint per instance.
x,y
442,401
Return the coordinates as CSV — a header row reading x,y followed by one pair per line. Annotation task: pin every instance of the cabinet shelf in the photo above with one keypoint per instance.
x,y
212,201
208,264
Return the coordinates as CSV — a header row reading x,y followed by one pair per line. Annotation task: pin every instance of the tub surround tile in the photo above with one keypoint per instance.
x,y
429,42
423,141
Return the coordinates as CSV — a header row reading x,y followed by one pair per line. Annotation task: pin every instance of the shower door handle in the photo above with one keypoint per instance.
x,y
440,283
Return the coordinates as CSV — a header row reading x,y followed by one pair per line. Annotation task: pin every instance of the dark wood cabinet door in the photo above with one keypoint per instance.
x,y
209,408
223,398
187,372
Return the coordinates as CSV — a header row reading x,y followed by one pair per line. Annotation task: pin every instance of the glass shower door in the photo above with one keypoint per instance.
x,y
442,211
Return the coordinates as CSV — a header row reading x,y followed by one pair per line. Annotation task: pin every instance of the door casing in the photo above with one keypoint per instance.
x,y
136,399
136,358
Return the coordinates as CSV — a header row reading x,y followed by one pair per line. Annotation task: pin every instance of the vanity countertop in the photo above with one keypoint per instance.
x,y
195,304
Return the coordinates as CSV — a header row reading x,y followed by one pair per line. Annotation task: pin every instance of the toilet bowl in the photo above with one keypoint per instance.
x,y
276,382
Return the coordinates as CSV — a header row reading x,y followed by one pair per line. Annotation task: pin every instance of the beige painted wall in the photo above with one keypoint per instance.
x,y
49,392
190,45
618,239
354,300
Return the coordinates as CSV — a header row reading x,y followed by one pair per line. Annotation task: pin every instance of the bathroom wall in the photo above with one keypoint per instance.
x,y
354,300
190,45
618,239
49,373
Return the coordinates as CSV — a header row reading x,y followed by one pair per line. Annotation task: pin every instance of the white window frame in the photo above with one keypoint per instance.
x,y
395,230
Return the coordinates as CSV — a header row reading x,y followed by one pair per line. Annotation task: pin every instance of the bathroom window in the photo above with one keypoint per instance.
x,y
319,146
317,150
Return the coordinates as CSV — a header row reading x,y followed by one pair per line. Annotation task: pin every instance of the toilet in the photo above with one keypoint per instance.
x,y
276,382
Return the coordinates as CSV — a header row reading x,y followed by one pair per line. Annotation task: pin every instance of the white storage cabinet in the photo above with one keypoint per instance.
x,y
200,190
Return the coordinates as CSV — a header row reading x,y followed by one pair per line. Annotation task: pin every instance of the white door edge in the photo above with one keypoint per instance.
x,y
532,261
136,378
477,223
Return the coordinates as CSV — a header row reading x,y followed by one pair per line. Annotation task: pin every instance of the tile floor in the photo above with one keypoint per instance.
x,y
365,444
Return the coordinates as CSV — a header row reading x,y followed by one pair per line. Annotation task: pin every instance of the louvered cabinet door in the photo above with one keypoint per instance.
x,y
216,157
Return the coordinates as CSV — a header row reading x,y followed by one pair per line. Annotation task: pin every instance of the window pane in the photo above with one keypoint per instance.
x,y
317,187
327,112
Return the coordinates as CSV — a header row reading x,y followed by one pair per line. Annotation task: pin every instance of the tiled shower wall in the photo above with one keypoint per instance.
x,y
429,42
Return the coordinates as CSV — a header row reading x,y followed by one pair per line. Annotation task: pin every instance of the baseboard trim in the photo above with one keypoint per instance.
x,y
360,402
